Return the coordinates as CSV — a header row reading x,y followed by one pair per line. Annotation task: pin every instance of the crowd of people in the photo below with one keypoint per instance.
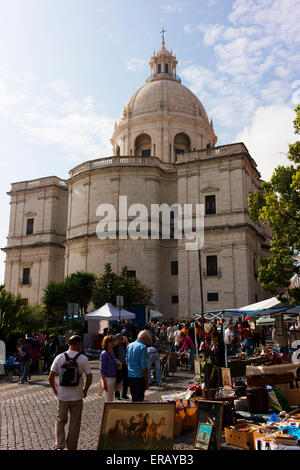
x,y
35,353
239,336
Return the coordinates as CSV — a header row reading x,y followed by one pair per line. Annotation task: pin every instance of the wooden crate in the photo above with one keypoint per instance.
x,y
242,436
270,379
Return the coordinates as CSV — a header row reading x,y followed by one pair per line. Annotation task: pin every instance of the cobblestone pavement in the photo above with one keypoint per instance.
x,y
28,412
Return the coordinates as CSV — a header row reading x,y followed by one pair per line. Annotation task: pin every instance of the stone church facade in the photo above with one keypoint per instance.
x,y
164,151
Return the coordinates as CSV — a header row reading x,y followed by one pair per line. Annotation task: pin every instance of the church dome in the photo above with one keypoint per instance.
x,y
163,94
163,118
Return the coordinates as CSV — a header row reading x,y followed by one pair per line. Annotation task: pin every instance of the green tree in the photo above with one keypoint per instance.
x,y
110,285
55,301
79,289
18,317
278,205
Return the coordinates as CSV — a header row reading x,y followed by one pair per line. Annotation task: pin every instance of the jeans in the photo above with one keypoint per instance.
x,y
24,371
249,346
154,359
137,388
192,357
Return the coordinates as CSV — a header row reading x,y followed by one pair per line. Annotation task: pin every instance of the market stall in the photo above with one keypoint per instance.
x,y
263,385
100,319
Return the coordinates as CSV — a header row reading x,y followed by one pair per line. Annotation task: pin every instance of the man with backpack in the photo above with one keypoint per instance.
x,y
70,391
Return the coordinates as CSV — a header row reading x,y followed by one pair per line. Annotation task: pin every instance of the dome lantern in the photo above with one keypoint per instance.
x,y
163,64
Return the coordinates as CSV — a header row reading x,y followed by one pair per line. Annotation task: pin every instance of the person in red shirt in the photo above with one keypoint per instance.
x,y
98,341
188,345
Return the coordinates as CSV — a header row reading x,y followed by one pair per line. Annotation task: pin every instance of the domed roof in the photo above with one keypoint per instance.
x,y
166,94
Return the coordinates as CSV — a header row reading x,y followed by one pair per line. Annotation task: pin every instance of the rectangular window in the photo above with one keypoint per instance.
x,y
146,153
26,277
212,297
255,270
131,274
212,265
174,299
159,68
29,228
174,268
210,205
166,68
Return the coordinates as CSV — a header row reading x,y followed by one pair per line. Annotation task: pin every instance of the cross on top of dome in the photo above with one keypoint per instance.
x,y
163,36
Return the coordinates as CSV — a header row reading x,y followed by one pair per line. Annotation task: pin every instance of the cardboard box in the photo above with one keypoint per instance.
x,y
293,396
241,436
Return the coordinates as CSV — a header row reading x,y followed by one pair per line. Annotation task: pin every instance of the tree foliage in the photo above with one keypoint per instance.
x,y
79,289
76,288
55,301
110,285
278,205
18,317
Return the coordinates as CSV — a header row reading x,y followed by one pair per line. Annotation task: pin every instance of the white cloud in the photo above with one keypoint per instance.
x,y
135,64
211,32
172,7
263,37
188,29
8,97
80,131
275,93
60,86
267,137
76,126
296,94
200,78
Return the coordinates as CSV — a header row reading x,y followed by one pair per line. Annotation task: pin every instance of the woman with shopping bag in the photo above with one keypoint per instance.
x,y
109,367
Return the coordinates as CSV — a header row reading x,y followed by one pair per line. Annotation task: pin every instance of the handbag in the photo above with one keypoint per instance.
x,y
119,378
100,388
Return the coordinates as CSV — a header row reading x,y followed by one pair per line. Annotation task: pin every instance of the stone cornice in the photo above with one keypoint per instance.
x,y
33,245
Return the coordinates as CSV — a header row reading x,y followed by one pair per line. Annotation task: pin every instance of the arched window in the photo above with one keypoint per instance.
x,y
117,151
182,144
143,145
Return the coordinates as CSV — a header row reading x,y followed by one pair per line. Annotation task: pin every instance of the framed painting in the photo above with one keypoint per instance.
x,y
226,377
203,436
137,426
211,412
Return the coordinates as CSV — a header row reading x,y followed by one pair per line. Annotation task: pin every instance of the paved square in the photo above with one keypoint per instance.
x,y
28,412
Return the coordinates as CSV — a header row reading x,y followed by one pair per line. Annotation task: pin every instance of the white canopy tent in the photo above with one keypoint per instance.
x,y
100,318
155,314
110,313
262,305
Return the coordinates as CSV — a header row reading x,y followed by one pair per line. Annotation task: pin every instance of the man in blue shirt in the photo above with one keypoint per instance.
x,y
137,362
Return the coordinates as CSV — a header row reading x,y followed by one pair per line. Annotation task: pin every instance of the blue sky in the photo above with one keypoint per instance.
x,y
68,67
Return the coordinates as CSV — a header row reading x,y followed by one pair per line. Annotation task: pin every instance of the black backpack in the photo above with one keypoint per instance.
x,y
69,375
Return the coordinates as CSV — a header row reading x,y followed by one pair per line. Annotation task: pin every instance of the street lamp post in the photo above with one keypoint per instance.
x,y
120,303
